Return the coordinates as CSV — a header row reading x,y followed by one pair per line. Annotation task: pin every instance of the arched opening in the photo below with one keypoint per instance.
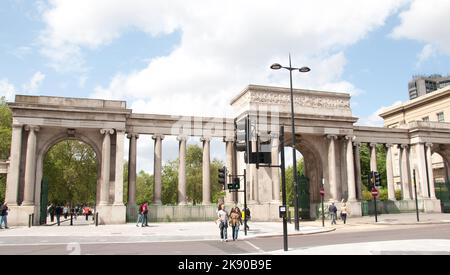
x,y
441,172
309,173
69,181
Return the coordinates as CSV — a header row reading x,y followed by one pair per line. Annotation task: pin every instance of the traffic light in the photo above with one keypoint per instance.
x,y
374,179
377,179
242,135
223,176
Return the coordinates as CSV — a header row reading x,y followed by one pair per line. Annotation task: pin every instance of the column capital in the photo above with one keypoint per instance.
x,y
335,137
182,138
373,144
158,136
132,135
357,143
404,146
106,131
229,139
428,144
206,138
350,138
390,145
17,126
33,128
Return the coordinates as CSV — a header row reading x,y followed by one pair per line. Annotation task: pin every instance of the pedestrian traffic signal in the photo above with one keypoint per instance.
x,y
223,176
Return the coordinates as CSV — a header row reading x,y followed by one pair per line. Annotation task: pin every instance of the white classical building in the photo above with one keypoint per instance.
x,y
326,137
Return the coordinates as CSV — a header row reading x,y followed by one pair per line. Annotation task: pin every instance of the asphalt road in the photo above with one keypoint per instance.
x,y
258,245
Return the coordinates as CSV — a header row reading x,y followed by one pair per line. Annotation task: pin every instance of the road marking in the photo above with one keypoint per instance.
x,y
255,247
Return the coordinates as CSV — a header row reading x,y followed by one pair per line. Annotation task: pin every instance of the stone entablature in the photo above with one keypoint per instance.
x,y
308,102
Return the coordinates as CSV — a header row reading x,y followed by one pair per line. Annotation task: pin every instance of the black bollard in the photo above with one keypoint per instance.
x,y
71,219
96,219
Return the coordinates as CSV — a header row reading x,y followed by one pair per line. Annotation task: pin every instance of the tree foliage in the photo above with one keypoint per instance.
x,y
290,190
193,178
70,168
5,129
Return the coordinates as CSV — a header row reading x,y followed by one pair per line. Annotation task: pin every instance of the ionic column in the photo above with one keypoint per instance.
x,y
30,166
406,176
276,170
350,170
182,171
373,157
118,184
390,173
332,167
206,174
157,167
422,167
357,151
429,147
12,185
229,143
132,155
106,166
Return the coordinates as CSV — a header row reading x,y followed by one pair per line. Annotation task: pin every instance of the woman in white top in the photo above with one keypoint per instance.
x,y
222,216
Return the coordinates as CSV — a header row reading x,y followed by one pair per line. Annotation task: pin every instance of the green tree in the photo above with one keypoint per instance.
x,y
70,168
193,178
144,188
290,190
5,140
365,164
5,129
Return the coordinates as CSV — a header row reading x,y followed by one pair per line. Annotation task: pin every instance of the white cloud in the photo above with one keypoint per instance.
x,y
225,45
7,90
34,83
427,52
426,21
374,119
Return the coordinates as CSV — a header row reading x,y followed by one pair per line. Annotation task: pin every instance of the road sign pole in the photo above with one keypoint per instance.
x,y
245,202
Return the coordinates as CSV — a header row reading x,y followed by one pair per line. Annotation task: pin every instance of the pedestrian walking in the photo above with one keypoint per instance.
x,y
235,221
222,216
66,212
140,215
51,211
59,211
4,215
145,215
86,212
333,212
344,212
246,215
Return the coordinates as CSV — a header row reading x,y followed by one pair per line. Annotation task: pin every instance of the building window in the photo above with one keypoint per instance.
x,y
426,119
440,117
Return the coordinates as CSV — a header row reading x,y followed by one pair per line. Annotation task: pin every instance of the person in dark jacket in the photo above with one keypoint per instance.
x,y
58,212
333,212
4,215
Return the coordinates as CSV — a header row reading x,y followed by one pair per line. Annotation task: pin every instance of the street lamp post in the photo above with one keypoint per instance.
x,y
277,66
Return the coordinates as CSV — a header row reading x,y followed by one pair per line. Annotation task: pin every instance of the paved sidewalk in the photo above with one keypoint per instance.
x,y
390,219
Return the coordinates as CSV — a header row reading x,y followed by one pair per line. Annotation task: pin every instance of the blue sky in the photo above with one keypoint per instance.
x,y
171,57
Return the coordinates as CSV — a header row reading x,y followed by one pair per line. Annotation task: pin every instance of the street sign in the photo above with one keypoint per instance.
x,y
374,192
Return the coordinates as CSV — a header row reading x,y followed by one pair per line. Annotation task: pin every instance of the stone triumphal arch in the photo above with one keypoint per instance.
x,y
326,135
